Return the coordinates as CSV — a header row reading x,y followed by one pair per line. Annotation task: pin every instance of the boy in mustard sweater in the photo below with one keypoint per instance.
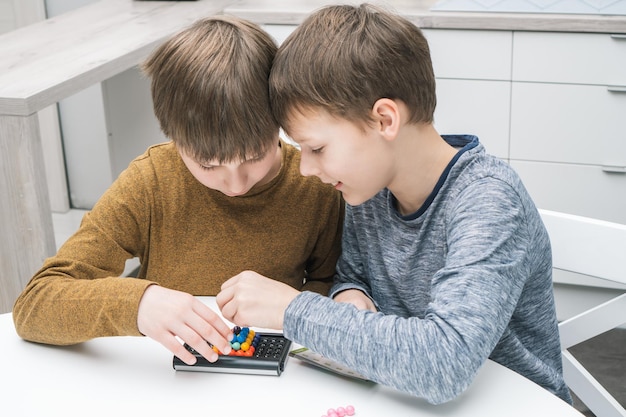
x,y
223,196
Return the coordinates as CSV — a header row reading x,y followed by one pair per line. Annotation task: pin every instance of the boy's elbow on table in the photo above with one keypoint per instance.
x,y
444,381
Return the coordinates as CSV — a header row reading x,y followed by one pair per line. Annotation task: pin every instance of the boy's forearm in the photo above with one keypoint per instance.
x,y
58,311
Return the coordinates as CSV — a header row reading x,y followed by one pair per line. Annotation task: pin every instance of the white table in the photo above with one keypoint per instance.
x,y
133,376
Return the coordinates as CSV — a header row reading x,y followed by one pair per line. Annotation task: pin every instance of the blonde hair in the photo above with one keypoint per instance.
x,y
344,58
209,86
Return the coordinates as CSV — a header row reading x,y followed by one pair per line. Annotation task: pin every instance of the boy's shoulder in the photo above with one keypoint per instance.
x,y
480,176
477,164
159,150
161,154
158,159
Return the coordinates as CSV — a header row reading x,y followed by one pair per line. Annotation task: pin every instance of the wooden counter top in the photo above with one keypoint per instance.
x,y
418,11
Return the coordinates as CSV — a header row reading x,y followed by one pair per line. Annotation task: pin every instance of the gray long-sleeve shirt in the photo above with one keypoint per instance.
x,y
466,278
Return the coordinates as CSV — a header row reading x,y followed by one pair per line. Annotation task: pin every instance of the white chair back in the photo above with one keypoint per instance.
x,y
595,248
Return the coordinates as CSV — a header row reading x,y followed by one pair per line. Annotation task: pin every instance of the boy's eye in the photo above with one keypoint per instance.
x,y
207,168
317,150
253,160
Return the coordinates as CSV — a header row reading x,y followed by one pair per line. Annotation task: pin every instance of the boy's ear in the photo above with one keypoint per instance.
x,y
387,117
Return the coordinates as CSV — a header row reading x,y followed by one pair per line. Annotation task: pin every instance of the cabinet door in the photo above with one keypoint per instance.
x,y
583,124
475,107
279,32
578,189
578,58
130,132
470,54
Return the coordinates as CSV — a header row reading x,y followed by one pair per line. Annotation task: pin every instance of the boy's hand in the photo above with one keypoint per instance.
x,y
165,313
250,299
356,297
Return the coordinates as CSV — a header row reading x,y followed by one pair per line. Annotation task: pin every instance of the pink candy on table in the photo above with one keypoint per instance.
x,y
340,412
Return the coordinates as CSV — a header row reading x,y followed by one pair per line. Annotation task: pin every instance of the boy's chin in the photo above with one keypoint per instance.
x,y
229,194
354,200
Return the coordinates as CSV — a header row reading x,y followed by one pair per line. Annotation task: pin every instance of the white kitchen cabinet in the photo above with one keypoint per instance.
x,y
568,121
571,58
475,107
585,190
470,54
279,32
130,133
473,72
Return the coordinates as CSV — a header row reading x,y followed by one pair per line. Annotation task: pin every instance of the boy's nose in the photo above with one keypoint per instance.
x,y
307,167
236,183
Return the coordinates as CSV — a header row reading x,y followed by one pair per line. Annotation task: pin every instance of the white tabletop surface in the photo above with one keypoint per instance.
x,y
133,376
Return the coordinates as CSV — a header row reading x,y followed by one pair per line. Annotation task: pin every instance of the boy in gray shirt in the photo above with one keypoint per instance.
x,y
445,260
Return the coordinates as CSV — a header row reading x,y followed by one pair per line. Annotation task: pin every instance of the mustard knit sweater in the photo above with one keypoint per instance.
x,y
187,237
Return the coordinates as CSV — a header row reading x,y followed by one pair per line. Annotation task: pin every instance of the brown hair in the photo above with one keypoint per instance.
x,y
210,89
344,58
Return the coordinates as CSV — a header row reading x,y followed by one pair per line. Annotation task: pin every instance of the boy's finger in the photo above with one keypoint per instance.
x,y
229,310
174,346
211,327
224,297
230,282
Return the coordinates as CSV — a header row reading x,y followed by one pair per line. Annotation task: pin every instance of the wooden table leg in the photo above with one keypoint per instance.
x,y
26,230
